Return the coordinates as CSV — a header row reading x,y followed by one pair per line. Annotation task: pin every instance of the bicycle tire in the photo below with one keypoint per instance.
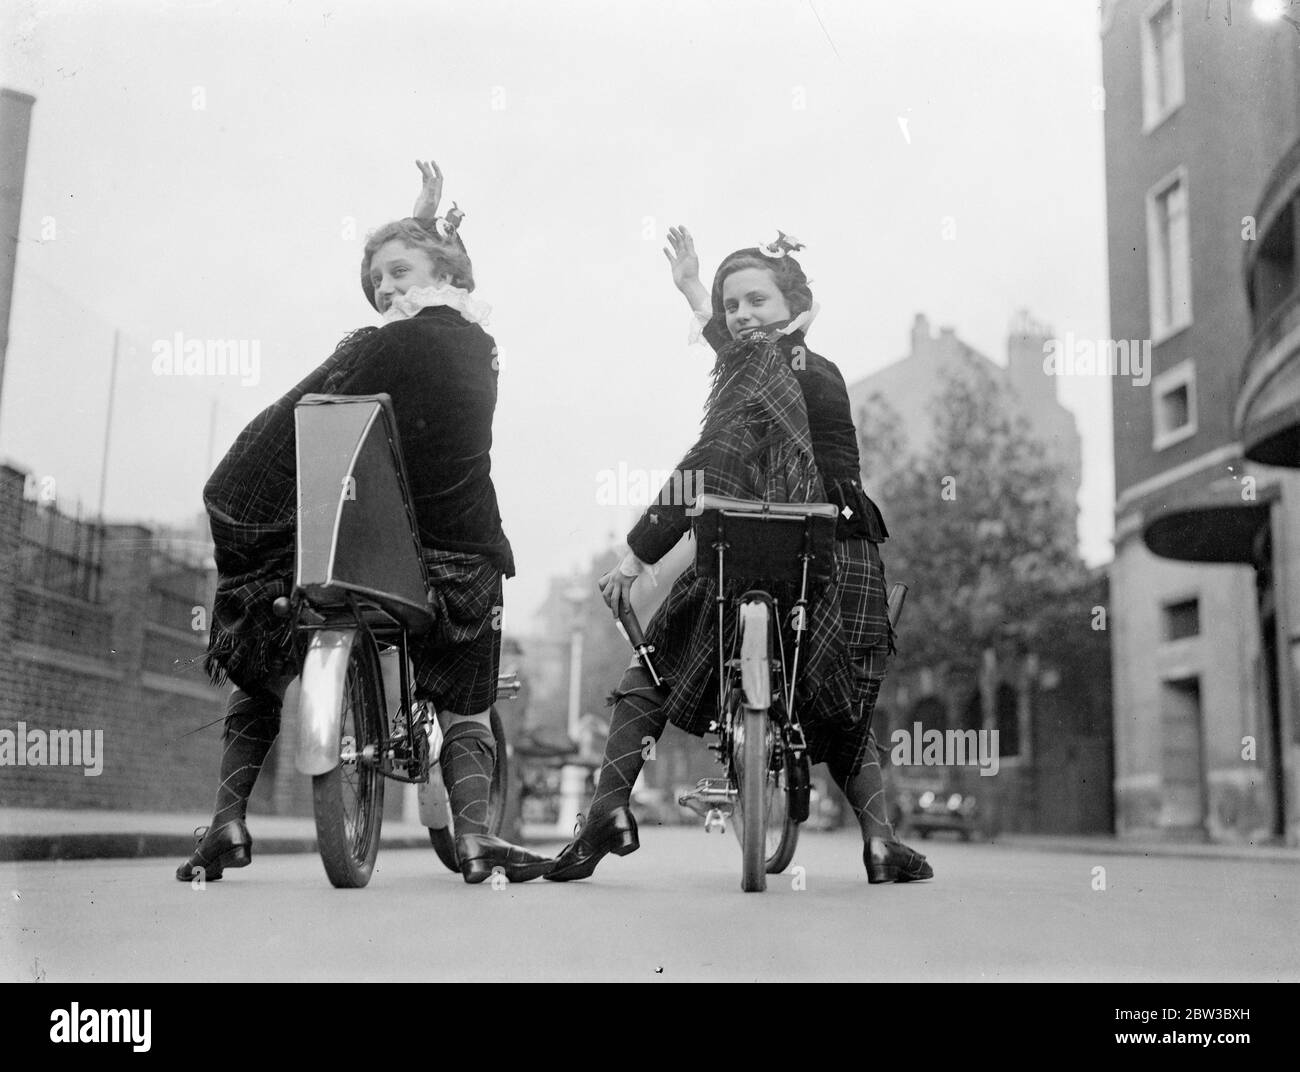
x,y
348,800
753,800
444,840
782,831
444,844
755,745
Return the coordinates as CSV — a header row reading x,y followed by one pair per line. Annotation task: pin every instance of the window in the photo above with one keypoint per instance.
x,y
1169,267
1162,63
1174,397
1182,619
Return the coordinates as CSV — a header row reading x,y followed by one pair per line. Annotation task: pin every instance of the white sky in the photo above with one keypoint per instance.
x,y
618,119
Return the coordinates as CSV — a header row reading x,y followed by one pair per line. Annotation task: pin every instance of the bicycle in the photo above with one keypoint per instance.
x,y
761,744
360,595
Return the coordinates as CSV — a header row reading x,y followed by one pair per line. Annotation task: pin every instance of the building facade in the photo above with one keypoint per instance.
x,y
908,385
1202,170
1051,708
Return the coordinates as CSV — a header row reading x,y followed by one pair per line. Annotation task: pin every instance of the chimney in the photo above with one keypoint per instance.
x,y
15,123
920,334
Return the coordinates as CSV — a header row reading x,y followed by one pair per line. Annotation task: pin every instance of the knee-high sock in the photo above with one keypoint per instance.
x,y
637,715
252,723
468,760
866,789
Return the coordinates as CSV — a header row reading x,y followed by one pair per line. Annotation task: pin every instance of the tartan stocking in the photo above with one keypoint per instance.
x,y
468,759
866,789
252,723
637,715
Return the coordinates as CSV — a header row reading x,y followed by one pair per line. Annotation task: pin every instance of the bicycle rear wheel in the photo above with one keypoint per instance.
x,y
753,799
752,753
782,831
348,800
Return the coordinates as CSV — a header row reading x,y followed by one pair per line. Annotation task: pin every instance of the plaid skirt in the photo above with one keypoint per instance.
x,y
864,609
841,737
456,664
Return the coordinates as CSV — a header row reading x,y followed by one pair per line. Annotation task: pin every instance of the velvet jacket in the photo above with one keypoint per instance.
x,y
440,372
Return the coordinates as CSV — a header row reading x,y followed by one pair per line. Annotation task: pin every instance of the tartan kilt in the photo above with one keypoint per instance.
x,y
832,706
457,662
864,610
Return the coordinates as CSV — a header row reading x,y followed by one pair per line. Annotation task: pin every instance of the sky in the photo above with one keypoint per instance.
x,y
211,169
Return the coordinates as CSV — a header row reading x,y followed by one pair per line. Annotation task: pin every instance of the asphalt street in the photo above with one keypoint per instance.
x,y
672,911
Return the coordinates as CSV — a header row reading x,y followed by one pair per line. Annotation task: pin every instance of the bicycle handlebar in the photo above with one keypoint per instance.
x,y
632,626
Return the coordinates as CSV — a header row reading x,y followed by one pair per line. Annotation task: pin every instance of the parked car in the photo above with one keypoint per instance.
x,y
946,805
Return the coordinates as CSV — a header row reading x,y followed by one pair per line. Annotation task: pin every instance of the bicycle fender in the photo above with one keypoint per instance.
x,y
755,669
435,806
320,709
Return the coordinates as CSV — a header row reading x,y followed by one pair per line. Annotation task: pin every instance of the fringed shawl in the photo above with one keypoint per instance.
x,y
251,499
754,445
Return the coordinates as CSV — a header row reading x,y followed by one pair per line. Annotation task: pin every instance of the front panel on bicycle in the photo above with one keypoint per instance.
x,y
356,533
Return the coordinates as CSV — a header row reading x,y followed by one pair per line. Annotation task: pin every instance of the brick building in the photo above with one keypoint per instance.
x,y
97,632
1202,169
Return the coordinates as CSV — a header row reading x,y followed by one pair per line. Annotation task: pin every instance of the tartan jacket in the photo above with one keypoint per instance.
x,y
755,444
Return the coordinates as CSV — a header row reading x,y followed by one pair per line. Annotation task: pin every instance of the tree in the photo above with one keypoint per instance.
x,y
982,527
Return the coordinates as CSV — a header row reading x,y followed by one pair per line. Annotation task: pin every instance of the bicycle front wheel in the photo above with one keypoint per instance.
x,y
349,799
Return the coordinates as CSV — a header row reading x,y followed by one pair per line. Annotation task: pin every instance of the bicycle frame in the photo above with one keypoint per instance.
x,y
763,539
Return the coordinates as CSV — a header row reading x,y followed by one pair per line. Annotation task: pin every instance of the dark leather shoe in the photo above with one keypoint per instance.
x,y
215,849
481,854
888,860
613,832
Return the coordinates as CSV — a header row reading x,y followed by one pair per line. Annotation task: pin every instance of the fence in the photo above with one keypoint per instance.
x,y
59,553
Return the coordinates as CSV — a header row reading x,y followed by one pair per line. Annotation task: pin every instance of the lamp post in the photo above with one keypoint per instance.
x,y
573,778
15,126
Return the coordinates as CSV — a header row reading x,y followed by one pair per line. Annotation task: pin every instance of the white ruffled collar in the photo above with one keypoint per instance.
x,y
802,322
407,305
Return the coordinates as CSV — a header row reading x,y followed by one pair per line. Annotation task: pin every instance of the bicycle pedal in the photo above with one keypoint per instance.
x,y
715,818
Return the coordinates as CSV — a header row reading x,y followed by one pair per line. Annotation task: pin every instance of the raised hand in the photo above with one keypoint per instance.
x,y
685,264
426,205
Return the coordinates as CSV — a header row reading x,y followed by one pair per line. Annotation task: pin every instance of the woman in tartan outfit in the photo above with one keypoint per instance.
x,y
438,365
777,427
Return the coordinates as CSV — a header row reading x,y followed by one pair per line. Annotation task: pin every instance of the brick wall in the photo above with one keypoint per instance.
x,y
113,666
